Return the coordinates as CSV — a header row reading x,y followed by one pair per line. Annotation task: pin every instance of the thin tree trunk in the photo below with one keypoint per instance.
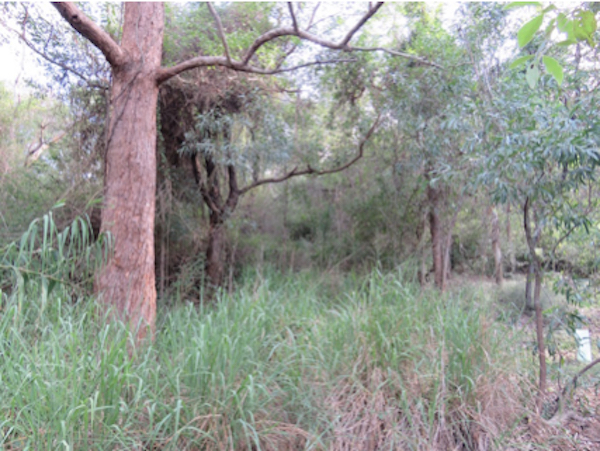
x,y
496,247
528,284
422,250
484,243
215,252
447,264
436,237
127,282
539,319
539,327
509,242
448,242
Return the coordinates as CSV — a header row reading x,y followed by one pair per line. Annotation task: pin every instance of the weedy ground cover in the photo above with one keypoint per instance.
x,y
285,363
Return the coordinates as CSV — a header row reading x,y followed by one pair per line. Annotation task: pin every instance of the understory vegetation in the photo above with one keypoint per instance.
x,y
292,226
302,361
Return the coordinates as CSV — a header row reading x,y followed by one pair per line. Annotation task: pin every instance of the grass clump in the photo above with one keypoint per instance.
x,y
285,363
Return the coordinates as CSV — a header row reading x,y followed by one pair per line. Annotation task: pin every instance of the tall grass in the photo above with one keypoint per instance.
x,y
285,363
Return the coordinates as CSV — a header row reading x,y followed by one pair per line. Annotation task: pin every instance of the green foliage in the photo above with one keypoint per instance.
x,y
191,31
281,364
527,31
579,24
45,257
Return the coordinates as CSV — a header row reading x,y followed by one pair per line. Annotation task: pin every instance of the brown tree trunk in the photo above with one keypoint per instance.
x,y
215,252
127,282
433,195
530,277
496,247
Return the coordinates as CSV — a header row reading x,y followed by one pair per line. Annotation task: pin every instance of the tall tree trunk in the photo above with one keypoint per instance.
x,y
127,282
496,247
435,228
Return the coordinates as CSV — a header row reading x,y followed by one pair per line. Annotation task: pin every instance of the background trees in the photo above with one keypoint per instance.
x,y
127,281
432,151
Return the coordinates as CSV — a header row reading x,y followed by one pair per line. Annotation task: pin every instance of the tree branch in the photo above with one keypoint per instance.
x,y
291,8
244,65
88,29
202,185
220,30
165,73
43,54
311,171
361,22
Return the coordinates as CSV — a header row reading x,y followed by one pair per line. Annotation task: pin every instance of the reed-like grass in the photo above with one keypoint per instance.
x,y
285,363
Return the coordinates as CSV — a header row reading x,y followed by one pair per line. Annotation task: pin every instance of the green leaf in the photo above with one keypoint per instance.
x,y
521,4
566,42
550,28
533,75
554,68
520,61
562,22
587,21
527,31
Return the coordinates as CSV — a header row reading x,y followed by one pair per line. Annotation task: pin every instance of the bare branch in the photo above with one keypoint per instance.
x,y
396,53
360,23
88,29
312,17
286,31
165,73
234,192
310,170
220,30
291,8
202,184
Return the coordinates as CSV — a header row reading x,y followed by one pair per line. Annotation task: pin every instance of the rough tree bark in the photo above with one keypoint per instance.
x,y
127,281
